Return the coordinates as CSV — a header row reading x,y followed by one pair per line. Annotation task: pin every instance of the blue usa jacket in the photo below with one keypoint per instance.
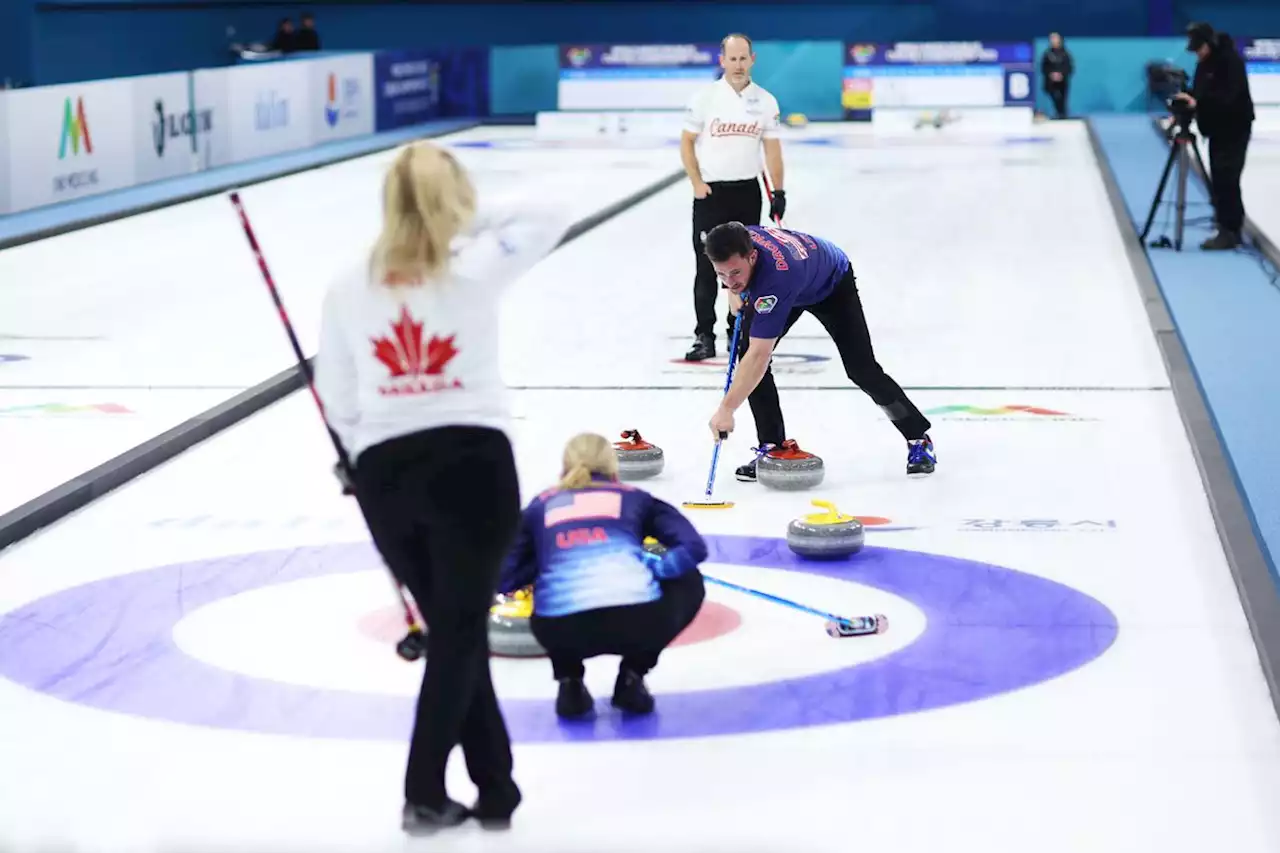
x,y
583,549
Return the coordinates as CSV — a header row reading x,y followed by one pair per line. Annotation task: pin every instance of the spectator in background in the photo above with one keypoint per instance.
x,y
286,39
308,38
1224,112
1057,68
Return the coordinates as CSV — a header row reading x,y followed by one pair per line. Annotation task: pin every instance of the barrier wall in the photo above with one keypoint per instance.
x,y
66,142
61,143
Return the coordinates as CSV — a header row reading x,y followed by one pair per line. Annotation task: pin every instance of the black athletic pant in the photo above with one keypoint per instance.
x,y
637,632
443,507
729,201
1226,166
841,315
1058,94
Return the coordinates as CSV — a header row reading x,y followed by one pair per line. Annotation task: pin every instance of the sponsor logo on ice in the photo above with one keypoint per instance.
x,y
1036,525
1007,412
38,409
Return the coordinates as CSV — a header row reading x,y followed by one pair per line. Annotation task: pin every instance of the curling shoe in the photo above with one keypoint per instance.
x,y
747,473
921,460
630,694
574,700
494,813
1224,240
424,820
703,348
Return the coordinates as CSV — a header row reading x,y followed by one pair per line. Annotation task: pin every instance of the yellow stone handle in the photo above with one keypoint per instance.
x,y
831,516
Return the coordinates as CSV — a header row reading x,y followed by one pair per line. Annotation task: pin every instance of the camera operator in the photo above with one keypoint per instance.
x,y
1224,111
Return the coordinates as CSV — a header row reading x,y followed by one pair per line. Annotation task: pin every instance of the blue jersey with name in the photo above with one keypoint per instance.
x,y
583,549
793,270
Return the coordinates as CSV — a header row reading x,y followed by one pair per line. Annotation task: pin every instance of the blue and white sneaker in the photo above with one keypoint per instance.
x,y
747,473
921,459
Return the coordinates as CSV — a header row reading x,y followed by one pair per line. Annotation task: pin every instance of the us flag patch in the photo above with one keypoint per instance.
x,y
580,506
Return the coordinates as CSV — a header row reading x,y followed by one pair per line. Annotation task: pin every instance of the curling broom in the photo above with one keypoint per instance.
x,y
413,645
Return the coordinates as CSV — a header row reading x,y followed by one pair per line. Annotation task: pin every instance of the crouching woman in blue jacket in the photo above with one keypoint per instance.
x,y
596,591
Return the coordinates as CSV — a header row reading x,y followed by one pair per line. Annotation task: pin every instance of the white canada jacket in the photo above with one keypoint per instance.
x,y
399,360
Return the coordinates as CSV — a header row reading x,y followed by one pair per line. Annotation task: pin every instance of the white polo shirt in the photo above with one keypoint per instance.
x,y
730,127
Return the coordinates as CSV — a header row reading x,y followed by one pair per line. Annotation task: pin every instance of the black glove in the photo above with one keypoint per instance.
x,y
344,477
778,207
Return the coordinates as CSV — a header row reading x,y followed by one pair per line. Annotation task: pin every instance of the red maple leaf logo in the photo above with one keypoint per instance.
x,y
404,353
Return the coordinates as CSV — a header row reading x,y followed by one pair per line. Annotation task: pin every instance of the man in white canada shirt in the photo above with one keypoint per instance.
x,y
724,127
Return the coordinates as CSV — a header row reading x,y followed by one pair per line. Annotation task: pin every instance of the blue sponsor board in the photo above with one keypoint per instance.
x,y
416,86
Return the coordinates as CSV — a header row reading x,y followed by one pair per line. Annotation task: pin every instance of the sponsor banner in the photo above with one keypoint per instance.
x,y
1262,62
172,127
68,142
416,86
408,88
634,77
267,107
341,103
936,75
4,153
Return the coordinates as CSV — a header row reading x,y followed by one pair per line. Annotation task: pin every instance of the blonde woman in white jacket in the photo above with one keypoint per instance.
x,y
408,371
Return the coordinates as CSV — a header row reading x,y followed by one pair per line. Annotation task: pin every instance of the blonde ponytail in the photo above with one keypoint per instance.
x,y
587,454
427,200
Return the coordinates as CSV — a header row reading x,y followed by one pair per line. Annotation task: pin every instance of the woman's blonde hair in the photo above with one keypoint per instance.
x,y
427,200
584,455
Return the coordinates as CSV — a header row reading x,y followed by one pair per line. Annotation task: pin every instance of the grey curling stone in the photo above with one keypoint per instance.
x,y
825,536
791,470
637,458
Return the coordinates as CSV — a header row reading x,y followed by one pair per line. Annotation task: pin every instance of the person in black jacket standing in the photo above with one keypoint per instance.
x,y
1057,67
1224,112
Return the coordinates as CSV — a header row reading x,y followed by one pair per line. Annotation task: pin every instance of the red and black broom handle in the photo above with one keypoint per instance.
x,y
343,459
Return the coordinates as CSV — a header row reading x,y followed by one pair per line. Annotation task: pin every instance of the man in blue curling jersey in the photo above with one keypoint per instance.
x,y
775,275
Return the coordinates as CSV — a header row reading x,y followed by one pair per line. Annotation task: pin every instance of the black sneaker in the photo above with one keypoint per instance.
x,y
703,348
423,820
573,700
746,473
1222,241
630,693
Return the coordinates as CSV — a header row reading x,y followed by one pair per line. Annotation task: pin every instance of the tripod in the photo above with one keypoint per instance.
x,y
1182,143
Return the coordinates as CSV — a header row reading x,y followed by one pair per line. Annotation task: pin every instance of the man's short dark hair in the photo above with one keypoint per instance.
x,y
727,241
724,41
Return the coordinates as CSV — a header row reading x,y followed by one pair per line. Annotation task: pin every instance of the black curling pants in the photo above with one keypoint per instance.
x,y
841,315
443,507
729,201
1226,166
637,632
1057,91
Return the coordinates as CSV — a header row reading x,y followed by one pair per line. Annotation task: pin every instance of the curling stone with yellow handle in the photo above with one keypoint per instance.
x,y
509,631
829,535
637,458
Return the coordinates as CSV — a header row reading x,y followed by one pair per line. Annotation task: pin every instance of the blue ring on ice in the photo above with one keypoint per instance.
x,y
109,645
